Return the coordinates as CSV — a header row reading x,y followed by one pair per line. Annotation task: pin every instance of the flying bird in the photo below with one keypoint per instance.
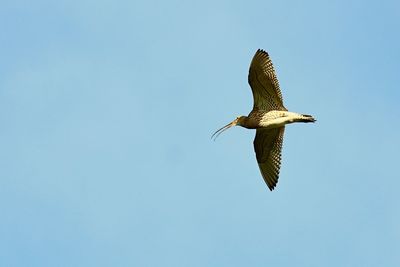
x,y
269,117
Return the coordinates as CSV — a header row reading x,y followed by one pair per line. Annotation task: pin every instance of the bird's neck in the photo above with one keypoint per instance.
x,y
247,122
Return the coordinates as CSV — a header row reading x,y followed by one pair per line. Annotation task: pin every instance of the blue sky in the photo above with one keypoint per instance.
x,y
106,113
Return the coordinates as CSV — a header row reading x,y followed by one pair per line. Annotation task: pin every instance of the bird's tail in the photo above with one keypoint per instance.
x,y
305,118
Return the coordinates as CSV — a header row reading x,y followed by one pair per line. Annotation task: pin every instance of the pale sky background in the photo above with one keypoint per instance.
x,y
106,113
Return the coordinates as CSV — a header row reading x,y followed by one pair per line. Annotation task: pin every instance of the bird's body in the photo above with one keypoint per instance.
x,y
271,119
269,116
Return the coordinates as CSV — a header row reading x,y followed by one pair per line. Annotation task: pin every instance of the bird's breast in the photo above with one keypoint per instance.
x,y
275,118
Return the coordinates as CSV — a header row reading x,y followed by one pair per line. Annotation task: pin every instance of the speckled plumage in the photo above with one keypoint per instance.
x,y
269,117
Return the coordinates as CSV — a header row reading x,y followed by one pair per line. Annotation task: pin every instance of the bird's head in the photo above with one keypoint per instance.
x,y
241,121
238,121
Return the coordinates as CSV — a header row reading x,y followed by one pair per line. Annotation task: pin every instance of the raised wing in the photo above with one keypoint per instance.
x,y
268,146
264,84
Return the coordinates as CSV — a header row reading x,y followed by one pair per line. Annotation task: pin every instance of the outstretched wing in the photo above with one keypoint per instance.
x,y
268,146
264,84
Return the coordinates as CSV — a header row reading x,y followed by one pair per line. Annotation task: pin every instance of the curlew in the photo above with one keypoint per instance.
x,y
268,116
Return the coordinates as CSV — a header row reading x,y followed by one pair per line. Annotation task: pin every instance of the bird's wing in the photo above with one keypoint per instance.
x,y
268,146
264,84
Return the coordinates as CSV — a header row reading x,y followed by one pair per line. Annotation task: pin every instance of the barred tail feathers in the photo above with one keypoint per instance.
x,y
305,118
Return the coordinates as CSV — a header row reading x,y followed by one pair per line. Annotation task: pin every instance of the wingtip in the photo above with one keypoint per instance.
x,y
271,188
262,51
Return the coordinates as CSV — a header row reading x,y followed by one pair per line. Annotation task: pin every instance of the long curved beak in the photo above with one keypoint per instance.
x,y
226,127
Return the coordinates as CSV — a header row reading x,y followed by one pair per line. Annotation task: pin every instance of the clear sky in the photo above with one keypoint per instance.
x,y
106,113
